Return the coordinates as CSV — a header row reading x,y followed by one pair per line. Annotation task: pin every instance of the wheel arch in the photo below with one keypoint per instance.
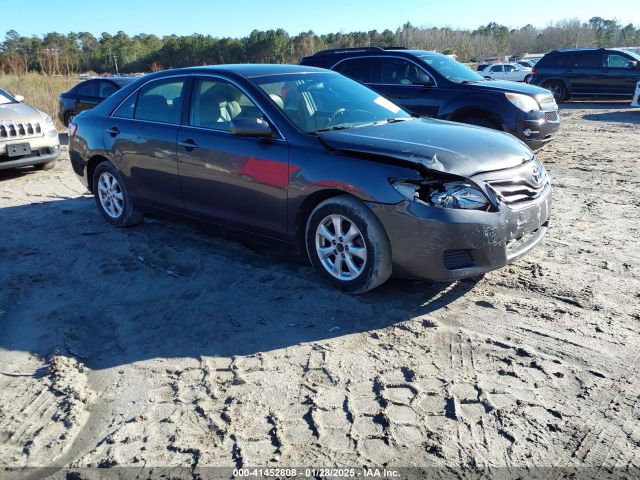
x,y
91,167
307,206
465,112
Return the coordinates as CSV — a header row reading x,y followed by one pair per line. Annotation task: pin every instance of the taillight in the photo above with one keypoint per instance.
x,y
73,128
534,70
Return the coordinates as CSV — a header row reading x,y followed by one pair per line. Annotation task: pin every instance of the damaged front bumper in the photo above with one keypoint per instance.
x,y
443,244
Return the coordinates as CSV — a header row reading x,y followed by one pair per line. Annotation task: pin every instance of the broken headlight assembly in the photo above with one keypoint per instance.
x,y
444,194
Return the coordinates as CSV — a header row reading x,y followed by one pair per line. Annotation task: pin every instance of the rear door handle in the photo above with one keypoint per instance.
x,y
113,131
188,144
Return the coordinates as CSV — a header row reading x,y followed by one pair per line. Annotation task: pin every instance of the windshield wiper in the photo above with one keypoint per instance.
x,y
399,119
331,129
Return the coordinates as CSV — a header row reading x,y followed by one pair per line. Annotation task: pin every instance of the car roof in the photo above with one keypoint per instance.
x,y
578,50
367,51
121,81
250,70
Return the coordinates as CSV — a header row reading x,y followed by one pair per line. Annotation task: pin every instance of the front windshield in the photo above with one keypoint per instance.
x,y
328,101
450,69
5,98
634,54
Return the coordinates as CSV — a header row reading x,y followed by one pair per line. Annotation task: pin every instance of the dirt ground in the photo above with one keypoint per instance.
x,y
168,345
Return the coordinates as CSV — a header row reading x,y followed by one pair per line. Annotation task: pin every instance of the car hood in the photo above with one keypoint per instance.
x,y
507,86
447,147
19,113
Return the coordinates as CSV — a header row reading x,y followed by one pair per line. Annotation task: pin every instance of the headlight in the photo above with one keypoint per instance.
x,y
459,195
47,119
523,102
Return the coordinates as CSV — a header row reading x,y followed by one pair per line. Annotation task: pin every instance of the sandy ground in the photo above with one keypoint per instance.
x,y
169,345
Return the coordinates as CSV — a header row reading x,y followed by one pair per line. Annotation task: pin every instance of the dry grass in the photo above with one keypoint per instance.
x,y
40,91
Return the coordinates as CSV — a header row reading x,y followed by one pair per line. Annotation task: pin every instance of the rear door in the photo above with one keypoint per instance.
x,y
584,73
240,182
141,137
620,74
497,72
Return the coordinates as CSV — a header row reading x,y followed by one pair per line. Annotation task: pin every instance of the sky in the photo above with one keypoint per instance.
x,y
237,18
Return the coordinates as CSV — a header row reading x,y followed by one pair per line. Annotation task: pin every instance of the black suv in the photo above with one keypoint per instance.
x,y
588,72
87,95
431,84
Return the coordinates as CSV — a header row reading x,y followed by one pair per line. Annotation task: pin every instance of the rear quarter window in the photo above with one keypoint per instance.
x,y
552,61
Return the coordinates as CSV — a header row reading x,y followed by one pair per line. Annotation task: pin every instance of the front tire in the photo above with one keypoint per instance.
x,y
528,78
347,245
112,197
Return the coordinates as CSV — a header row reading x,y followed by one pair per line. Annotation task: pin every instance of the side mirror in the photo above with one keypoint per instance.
x,y
422,79
19,98
633,65
250,127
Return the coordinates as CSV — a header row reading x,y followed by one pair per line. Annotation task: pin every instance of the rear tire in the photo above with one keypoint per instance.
x,y
46,166
68,118
527,79
347,245
112,196
558,90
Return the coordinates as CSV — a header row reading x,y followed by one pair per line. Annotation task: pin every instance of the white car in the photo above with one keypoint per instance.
x,y
636,97
507,71
28,136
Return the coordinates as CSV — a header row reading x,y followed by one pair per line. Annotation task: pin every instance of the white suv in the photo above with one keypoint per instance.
x,y
27,136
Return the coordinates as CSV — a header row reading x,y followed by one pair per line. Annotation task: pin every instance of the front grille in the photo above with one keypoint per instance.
x,y
551,116
456,259
13,130
516,191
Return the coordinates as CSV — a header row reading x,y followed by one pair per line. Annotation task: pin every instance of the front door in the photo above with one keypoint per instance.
x,y
404,82
620,74
236,181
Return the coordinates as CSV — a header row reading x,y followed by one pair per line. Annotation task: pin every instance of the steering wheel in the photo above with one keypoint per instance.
x,y
342,112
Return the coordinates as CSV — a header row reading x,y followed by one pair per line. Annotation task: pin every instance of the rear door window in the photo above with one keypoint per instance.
x,y
585,60
359,69
107,88
161,101
496,69
215,103
88,89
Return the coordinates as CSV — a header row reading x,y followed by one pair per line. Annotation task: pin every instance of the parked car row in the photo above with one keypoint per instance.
x,y
340,162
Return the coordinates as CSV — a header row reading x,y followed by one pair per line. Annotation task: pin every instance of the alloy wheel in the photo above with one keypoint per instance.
x,y
111,195
341,248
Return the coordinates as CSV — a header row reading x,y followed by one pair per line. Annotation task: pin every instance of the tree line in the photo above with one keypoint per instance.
x,y
58,54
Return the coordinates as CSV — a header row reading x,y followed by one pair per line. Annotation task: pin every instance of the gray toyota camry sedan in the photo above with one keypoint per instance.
x,y
310,158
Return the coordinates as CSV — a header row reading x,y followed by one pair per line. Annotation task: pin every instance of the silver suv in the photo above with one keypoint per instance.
x,y
27,136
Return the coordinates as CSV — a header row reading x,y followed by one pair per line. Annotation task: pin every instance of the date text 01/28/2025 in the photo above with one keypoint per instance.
x,y
315,472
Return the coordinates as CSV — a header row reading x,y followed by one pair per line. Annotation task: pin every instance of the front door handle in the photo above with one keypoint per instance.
x,y
113,131
188,144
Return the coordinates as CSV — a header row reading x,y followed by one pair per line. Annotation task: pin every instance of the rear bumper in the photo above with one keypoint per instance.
x,y
445,244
